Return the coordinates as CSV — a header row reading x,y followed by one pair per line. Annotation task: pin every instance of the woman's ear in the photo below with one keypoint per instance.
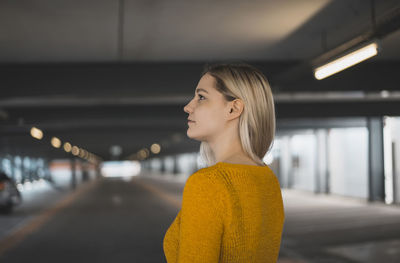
x,y
236,108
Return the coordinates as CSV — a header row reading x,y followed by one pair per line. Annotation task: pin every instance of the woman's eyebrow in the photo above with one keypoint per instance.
x,y
200,89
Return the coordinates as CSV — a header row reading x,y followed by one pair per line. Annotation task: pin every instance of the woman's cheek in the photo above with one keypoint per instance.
x,y
214,125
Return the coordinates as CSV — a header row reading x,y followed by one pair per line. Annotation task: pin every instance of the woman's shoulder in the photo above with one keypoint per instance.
x,y
210,178
204,175
214,174
204,186
225,175
223,168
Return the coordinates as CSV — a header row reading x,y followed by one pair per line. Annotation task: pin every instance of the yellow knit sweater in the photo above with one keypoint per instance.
x,y
230,213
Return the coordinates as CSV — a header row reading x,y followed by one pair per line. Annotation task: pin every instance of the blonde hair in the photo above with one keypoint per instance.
x,y
257,121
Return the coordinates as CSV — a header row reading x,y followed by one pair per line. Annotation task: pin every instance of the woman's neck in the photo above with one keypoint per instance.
x,y
228,149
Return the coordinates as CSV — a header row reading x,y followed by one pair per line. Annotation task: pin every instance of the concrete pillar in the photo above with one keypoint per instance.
x,y
73,173
289,169
12,168
327,186
85,173
98,170
24,174
283,163
321,179
376,160
162,168
175,169
396,183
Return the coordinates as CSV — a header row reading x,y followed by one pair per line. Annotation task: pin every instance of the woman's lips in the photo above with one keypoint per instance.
x,y
189,121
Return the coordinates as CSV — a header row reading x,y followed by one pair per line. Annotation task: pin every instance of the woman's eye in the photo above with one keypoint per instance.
x,y
200,97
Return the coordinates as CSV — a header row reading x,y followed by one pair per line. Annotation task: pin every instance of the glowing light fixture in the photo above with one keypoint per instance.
x,y
67,147
55,142
143,153
82,153
155,148
36,133
346,61
75,150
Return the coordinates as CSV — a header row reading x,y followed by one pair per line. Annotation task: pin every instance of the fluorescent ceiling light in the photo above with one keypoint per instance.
x,y
346,61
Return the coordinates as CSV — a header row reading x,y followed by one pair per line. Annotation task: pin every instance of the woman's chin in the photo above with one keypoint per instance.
x,y
190,135
193,136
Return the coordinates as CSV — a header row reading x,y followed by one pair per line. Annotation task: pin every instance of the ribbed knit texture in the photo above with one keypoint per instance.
x,y
230,213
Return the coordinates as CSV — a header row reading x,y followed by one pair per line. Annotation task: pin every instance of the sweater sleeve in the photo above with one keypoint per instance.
x,y
201,226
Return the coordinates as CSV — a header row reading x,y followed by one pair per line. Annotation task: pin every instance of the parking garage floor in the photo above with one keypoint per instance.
x,y
124,220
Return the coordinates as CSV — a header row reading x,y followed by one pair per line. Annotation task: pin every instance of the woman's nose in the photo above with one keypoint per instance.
x,y
187,108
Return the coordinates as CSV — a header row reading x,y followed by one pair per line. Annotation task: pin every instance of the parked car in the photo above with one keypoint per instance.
x,y
9,194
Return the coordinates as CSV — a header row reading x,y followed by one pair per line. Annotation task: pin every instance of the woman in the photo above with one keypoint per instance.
x,y
232,210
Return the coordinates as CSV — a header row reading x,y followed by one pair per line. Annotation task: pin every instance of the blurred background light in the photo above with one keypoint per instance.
x,y
55,142
36,133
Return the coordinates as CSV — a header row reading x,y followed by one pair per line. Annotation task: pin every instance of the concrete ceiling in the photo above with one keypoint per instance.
x,y
181,30
102,73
